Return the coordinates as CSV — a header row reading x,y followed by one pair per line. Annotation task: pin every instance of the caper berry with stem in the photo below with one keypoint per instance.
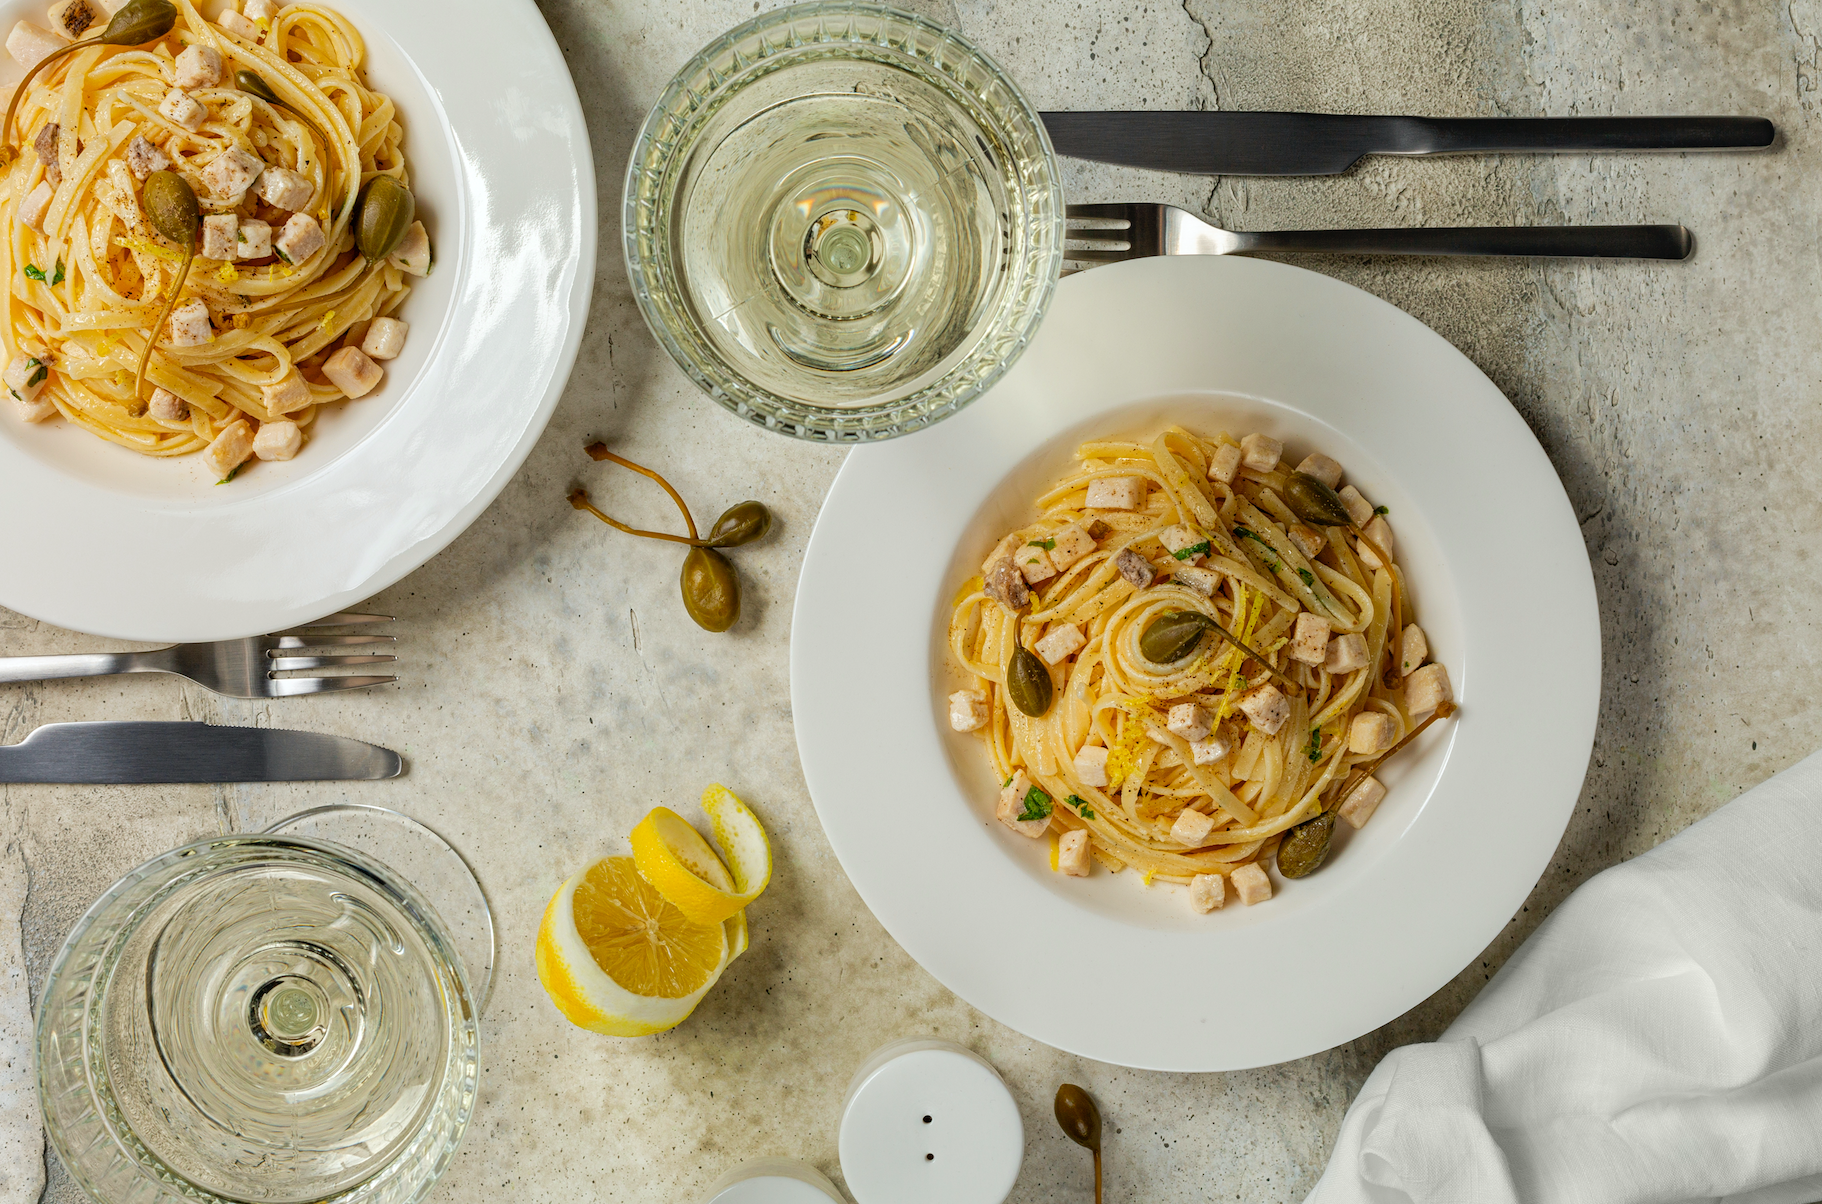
x,y
1174,634
1315,503
711,589
137,22
383,216
253,84
740,524
1305,846
171,205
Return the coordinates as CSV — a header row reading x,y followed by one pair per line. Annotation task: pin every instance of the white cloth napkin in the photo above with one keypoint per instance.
x,y
1658,1039
21,1126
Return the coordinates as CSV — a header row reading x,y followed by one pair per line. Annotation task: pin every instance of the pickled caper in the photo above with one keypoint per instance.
x,y
139,22
1314,502
250,83
171,204
1028,682
740,524
1173,635
383,214
711,589
1302,851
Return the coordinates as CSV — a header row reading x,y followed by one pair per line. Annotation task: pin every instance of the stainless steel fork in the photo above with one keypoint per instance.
x,y
1098,234
237,668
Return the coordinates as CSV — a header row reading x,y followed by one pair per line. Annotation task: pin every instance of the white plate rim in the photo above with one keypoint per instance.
x,y
182,568
1435,896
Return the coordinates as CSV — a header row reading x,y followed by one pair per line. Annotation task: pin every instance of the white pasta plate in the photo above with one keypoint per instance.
x,y
1107,967
101,539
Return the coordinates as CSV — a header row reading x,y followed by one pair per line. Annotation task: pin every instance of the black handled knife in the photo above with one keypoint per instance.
x,y
1326,144
190,752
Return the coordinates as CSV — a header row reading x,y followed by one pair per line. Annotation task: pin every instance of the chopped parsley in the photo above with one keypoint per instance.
x,y
1194,549
1315,745
1382,509
232,473
1309,578
1006,783
1049,545
34,272
1037,805
38,374
57,276
1081,806
1271,553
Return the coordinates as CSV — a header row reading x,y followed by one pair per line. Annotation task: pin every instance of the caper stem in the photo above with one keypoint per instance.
x,y
145,357
12,108
1225,634
598,451
579,499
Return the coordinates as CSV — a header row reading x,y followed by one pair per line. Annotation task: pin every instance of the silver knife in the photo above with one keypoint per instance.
x,y
190,752
1326,144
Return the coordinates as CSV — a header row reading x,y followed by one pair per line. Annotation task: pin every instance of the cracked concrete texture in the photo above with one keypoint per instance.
x,y
553,691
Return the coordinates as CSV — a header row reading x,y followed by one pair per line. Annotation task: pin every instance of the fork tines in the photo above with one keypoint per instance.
x,y
307,636
1097,234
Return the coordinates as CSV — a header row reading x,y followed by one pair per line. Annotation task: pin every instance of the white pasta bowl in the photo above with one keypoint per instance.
x,y
1107,967
110,542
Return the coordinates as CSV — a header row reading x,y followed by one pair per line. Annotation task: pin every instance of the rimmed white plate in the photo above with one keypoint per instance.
x,y
1106,967
103,540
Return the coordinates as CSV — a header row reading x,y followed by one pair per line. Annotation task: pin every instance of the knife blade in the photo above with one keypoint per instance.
x,y
121,752
1326,144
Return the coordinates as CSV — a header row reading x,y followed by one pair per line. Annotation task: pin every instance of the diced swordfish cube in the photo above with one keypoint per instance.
x,y
1072,543
1266,708
282,188
1006,585
1260,453
29,44
413,255
183,109
190,324
1179,539
1413,650
1207,892
33,208
1203,581
1427,689
1361,802
1091,766
229,450
302,237
278,440
1072,853
1358,508
220,235
1209,750
1224,465
1060,643
73,18
1310,644
288,396
231,173
1134,567
1192,828
25,378
1309,541
1371,732
253,240
1346,654
1251,885
238,25
1018,798
352,372
167,406
1321,467
261,10
145,158
1380,532
197,66
967,710
385,338
1034,562
1116,493
1189,721
47,144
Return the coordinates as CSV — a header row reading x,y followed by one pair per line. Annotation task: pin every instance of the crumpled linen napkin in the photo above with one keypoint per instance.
x,y
21,1125
1657,1039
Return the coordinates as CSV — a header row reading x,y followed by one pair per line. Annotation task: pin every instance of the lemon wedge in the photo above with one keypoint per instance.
x,y
674,858
616,957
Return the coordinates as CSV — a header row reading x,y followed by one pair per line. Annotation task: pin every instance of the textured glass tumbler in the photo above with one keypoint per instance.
x,y
257,1018
843,221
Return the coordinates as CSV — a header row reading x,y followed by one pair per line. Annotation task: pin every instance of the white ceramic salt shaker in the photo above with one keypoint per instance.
x,y
927,1120
773,1181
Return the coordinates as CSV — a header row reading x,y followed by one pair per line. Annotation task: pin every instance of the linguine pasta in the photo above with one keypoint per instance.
x,y
1190,770
88,275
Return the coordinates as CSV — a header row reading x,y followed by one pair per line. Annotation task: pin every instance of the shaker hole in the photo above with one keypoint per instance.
x,y
929,1157
926,1120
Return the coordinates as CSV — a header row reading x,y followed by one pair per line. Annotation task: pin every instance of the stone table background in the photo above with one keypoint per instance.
x,y
553,689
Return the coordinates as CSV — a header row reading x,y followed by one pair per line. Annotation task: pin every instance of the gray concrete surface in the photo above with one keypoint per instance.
x,y
554,690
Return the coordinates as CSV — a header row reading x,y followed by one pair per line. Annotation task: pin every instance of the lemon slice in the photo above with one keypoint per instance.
x,y
617,958
674,858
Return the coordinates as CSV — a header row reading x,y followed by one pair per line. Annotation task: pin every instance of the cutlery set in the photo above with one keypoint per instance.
x,y
1318,144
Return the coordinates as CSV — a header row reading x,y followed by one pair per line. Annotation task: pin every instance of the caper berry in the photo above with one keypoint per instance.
x,y
139,22
250,83
1028,682
171,204
1314,502
711,589
1173,635
740,524
1303,848
383,214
